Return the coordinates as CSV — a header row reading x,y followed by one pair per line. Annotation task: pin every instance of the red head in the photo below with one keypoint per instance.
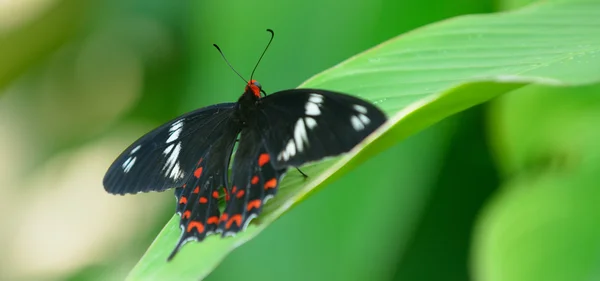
x,y
254,87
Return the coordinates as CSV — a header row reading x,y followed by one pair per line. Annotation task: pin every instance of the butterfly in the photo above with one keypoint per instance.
x,y
192,152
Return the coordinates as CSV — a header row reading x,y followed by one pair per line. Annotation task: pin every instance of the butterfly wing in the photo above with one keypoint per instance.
x,y
198,198
292,128
305,125
254,180
167,156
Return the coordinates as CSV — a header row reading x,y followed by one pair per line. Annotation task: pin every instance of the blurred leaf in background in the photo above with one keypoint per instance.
x,y
544,223
68,73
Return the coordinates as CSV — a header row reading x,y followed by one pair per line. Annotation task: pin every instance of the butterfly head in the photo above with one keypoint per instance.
x,y
254,88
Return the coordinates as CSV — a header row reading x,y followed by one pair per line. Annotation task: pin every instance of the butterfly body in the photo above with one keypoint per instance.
x,y
192,153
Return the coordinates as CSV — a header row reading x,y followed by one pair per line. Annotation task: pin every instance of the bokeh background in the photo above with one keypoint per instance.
x,y
81,79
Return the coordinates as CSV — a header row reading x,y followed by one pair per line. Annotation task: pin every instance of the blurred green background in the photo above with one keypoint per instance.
x,y
80,80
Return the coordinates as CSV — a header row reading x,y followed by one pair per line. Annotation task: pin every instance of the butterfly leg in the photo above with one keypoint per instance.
x,y
302,173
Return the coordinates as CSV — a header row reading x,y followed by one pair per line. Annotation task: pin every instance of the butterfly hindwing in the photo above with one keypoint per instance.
x,y
199,205
305,125
165,157
254,181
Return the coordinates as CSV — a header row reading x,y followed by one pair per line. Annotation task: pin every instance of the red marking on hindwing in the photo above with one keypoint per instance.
x,y
213,220
198,172
215,194
182,200
240,193
253,204
263,159
224,217
234,189
235,218
203,200
254,180
186,214
197,190
272,183
195,224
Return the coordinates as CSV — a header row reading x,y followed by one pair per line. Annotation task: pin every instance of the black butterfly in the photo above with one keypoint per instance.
x,y
192,153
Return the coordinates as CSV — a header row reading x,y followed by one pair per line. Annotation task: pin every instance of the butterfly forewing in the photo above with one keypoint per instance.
x,y
166,157
305,125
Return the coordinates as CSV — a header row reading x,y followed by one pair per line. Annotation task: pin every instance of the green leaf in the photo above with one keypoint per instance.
x,y
419,78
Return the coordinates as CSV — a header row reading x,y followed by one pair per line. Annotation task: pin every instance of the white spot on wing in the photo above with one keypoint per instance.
x,y
312,109
175,130
174,136
356,123
135,149
310,122
315,98
300,135
360,108
171,167
175,171
313,104
128,164
364,119
176,125
283,156
291,148
168,149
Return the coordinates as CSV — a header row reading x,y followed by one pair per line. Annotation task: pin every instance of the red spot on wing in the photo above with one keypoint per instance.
x,y
235,218
203,200
224,217
182,200
213,220
263,159
234,189
215,194
186,214
196,190
253,204
195,224
272,183
254,180
240,194
198,172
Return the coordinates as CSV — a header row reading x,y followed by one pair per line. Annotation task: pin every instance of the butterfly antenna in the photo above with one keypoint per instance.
x,y
230,66
263,53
